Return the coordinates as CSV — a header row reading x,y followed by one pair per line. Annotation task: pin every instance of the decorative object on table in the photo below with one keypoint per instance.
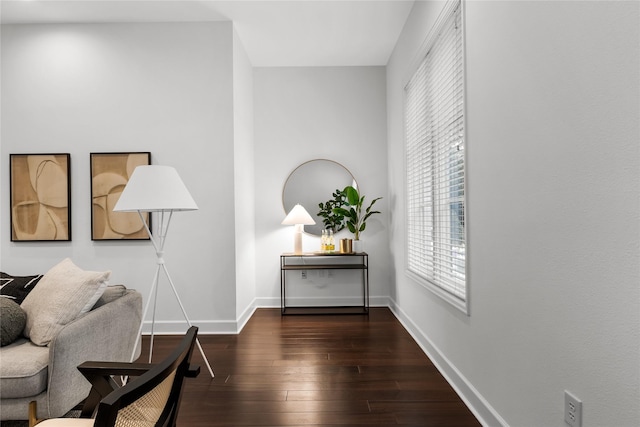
x,y
346,246
330,219
40,197
313,182
298,217
327,241
158,189
110,173
354,217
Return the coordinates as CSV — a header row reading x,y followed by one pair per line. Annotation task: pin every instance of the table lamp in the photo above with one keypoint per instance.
x,y
299,217
156,188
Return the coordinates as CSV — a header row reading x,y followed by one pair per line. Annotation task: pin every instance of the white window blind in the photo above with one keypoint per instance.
x,y
435,172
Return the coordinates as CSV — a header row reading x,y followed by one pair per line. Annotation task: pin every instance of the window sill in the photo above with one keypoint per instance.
x,y
462,305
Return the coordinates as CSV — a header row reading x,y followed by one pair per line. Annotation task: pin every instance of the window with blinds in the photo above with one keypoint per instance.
x,y
435,164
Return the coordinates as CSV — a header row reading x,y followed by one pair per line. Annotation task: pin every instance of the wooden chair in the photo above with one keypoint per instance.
x,y
151,399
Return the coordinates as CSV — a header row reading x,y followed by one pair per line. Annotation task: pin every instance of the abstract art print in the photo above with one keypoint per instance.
x,y
40,197
110,173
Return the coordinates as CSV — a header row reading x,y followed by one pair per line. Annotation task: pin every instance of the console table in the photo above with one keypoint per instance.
x,y
325,261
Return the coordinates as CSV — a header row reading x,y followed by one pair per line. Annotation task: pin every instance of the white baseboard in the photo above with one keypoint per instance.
x,y
467,392
205,327
245,316
374,301
271,302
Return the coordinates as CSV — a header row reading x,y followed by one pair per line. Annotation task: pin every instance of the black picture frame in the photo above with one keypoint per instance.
x,y
40,197
109,173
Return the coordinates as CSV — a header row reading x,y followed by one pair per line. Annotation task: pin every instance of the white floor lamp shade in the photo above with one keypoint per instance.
x,y
299,217
155,188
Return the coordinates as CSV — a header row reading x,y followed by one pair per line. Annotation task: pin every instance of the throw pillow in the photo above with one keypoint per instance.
x,y
12,321
64,292
17,287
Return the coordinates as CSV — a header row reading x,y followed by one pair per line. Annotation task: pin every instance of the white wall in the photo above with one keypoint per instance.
x,y
336,113
163,88
553,212
244,182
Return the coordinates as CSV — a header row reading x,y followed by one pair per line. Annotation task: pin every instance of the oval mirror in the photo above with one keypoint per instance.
x,y
312,183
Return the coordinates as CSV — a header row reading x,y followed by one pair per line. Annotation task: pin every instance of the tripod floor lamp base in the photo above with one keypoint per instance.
x,y
154,295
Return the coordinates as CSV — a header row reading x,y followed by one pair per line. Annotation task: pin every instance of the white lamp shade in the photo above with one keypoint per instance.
x,y
155,188
298,215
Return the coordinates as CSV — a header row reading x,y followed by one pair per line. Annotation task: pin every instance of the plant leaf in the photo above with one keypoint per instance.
x,y
352,195
341,211
369,214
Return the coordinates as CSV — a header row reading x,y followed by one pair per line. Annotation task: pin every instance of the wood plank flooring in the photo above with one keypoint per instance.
x,y
316,371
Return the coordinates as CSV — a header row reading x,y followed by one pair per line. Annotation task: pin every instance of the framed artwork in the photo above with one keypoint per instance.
x,y
40,197
110,173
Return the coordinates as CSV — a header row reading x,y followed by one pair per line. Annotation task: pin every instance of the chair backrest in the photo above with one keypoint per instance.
x,y
153,398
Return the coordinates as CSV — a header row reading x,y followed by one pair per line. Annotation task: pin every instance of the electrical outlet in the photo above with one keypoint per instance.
x,y
304,274
572,410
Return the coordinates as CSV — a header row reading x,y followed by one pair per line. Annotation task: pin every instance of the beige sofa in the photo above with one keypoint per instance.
x,y
48,374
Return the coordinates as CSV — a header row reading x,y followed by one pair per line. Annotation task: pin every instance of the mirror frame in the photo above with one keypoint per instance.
x,y
296,171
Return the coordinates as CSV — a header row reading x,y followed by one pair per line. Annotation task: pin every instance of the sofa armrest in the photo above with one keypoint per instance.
x,y
107,333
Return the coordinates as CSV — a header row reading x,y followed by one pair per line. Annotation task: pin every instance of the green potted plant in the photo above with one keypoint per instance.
x,y
354,215
330,219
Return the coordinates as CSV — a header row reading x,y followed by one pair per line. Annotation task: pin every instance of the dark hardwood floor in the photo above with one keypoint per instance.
x,y
319,370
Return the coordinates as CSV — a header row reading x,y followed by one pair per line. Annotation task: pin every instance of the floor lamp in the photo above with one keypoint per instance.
x,y
158,189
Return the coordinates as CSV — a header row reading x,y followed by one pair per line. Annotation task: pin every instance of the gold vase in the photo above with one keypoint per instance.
x,y
346,246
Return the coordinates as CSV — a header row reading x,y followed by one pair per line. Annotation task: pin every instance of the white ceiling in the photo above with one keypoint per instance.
x,y
274,33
